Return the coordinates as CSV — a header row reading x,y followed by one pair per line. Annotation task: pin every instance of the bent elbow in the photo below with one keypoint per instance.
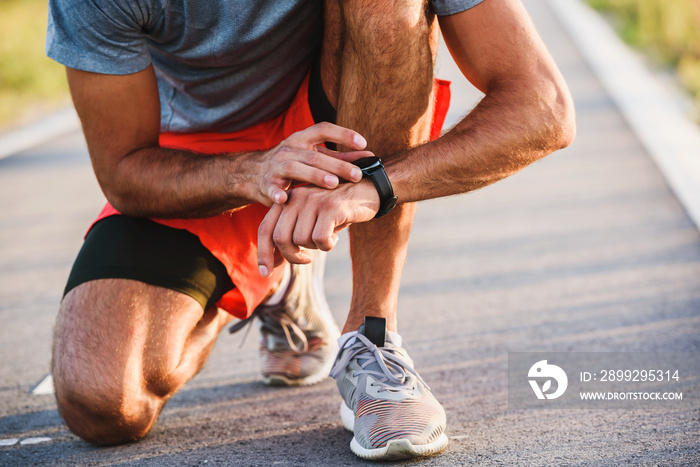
x,y
119,203
121,200
562,120
111,192
566,128
553,123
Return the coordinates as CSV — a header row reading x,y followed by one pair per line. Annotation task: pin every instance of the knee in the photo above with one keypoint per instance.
x,y
104,414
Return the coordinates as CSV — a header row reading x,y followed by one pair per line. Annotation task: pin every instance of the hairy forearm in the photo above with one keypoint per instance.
x,y
169,183
510,128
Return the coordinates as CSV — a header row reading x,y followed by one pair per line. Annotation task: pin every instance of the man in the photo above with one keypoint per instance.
x,y
159,83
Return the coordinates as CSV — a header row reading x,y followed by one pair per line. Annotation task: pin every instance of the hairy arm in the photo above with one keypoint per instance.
x,y
527,111
120,116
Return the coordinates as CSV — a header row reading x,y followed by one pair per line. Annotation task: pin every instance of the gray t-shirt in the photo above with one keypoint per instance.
x,y
221,65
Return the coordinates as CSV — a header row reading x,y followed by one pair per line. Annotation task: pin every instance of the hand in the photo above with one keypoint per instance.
x,y
312,218
301,158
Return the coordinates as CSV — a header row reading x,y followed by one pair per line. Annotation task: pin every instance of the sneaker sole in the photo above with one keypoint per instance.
x,y
394,449
319,258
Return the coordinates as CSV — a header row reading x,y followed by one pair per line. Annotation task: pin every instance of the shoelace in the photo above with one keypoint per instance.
x,y
276,322
395,374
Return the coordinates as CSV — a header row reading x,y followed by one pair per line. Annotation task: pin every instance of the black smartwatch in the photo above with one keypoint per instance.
x,y
373,168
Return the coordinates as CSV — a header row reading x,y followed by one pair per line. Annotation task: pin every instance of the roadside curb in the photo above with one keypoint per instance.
x,y
32,135
670,137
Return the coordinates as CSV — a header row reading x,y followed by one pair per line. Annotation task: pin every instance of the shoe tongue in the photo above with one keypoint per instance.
x,y
375,330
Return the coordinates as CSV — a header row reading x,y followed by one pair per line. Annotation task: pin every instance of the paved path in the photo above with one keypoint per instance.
x,y
587,250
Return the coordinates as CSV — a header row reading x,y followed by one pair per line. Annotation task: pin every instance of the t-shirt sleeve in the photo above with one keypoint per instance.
x,y
101,36
450,7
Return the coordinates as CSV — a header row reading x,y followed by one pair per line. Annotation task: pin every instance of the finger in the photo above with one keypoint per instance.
x,y
303,230
277,195
282,238
266,246
301,257
276,188
324,131
323,235
341,227
318,169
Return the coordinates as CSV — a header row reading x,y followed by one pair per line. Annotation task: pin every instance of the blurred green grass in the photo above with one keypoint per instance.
x,y
666,30
30,83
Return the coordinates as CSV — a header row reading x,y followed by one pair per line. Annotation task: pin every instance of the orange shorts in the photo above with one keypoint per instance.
x,y
232,237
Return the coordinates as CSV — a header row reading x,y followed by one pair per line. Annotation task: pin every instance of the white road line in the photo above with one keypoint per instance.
x,y
659,121
45,386
8,442
36,440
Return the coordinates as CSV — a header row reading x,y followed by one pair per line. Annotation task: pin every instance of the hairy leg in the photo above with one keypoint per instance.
x,y
378,72
121,349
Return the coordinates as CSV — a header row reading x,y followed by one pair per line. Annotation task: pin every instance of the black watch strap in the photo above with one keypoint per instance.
x,y
373,168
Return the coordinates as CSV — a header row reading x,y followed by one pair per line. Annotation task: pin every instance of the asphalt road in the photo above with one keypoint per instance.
x,y
585,251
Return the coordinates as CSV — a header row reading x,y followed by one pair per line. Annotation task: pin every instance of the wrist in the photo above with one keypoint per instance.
x,y
373,170
368,193
241,186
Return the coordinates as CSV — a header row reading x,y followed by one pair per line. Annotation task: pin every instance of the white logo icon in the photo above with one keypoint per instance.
x,y
542,370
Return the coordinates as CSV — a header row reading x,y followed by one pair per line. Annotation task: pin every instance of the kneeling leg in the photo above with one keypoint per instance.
x,y
121,349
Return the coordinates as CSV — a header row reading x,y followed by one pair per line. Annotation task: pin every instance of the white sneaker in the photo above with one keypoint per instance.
x,y
298,335
386,403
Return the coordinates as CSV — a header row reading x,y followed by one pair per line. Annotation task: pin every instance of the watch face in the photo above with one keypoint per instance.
x,y
367,162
